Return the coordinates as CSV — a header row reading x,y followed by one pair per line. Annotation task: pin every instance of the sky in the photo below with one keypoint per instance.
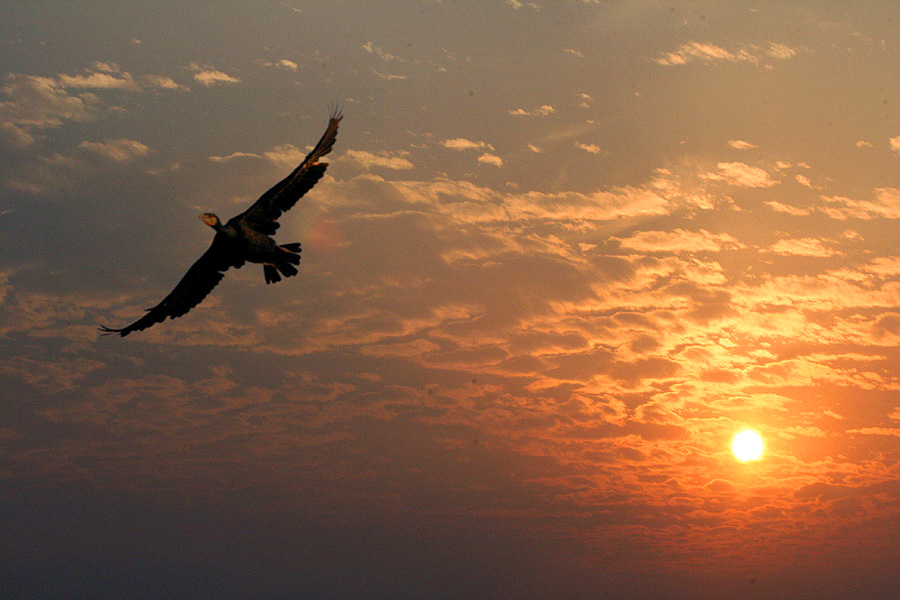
x,y
564,251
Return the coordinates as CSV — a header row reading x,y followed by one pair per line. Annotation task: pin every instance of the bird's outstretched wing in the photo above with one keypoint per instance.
x,y
262,216
196,284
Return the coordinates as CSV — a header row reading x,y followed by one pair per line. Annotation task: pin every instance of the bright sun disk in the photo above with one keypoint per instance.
x,y
747,445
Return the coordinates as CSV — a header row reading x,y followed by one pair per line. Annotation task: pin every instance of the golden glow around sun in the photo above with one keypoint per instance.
x,y
747,445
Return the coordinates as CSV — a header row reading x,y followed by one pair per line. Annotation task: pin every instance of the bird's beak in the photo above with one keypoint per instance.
x,y
208,219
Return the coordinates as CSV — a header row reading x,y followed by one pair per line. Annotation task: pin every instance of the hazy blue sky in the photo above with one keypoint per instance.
x,y
564,252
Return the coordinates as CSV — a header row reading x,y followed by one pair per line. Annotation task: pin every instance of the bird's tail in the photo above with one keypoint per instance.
x,y
271,273
293,248
291,255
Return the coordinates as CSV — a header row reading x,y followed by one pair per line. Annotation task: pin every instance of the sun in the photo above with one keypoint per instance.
x,y
747,445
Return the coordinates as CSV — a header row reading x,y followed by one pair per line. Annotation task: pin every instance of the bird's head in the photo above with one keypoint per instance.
x,y
210,219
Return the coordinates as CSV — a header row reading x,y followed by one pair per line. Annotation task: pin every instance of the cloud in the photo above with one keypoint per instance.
x,y
283,156
787,208
886,204
741,145
385,160
379,52
464,144
42,102
541,111
491,159
517,4
805,182
208,76
282,64
679,240
710,53
888,431
103,76
802,247
589,148
895,143
741,175
117,150
46,102
14,136
162,82
388,76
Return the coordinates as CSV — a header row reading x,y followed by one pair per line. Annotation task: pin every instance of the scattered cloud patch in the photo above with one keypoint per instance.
x,y
741,175
886,204
208,76
710,53
787,208
517,4
388,76
163,82
383,160
118,150
284,156
802,247
15,136
107,81
540,111
282,64
379,52
679,240
895,143
42,102
741,145
490,159
805,182
464,144
590,148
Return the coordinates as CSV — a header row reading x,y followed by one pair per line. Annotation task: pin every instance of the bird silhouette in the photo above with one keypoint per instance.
x,y
246,237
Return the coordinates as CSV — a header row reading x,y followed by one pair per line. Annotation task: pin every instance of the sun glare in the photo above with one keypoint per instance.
x,y
747,445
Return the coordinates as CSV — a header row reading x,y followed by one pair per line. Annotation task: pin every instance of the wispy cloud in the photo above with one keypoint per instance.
x,y
895,143
282,64
42,102
711,53
284,156
589,148
384,160
540,111
679,240
490,159
886,203
802,247
464,144
388,76
163,82
102,76
741,175
741,144
117,150
208,76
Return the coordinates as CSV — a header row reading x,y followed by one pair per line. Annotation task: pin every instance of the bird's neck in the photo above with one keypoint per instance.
x,y
226,229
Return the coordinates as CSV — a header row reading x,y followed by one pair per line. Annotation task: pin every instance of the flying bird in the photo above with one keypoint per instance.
x,y
244,238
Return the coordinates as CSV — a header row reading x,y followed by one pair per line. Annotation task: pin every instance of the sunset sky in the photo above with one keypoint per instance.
x,y
563,253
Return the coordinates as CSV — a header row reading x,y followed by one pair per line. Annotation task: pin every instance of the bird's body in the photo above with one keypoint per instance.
x,y
244,238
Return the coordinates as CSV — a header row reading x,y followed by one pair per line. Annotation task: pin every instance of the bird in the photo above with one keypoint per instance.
x,y
246,237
